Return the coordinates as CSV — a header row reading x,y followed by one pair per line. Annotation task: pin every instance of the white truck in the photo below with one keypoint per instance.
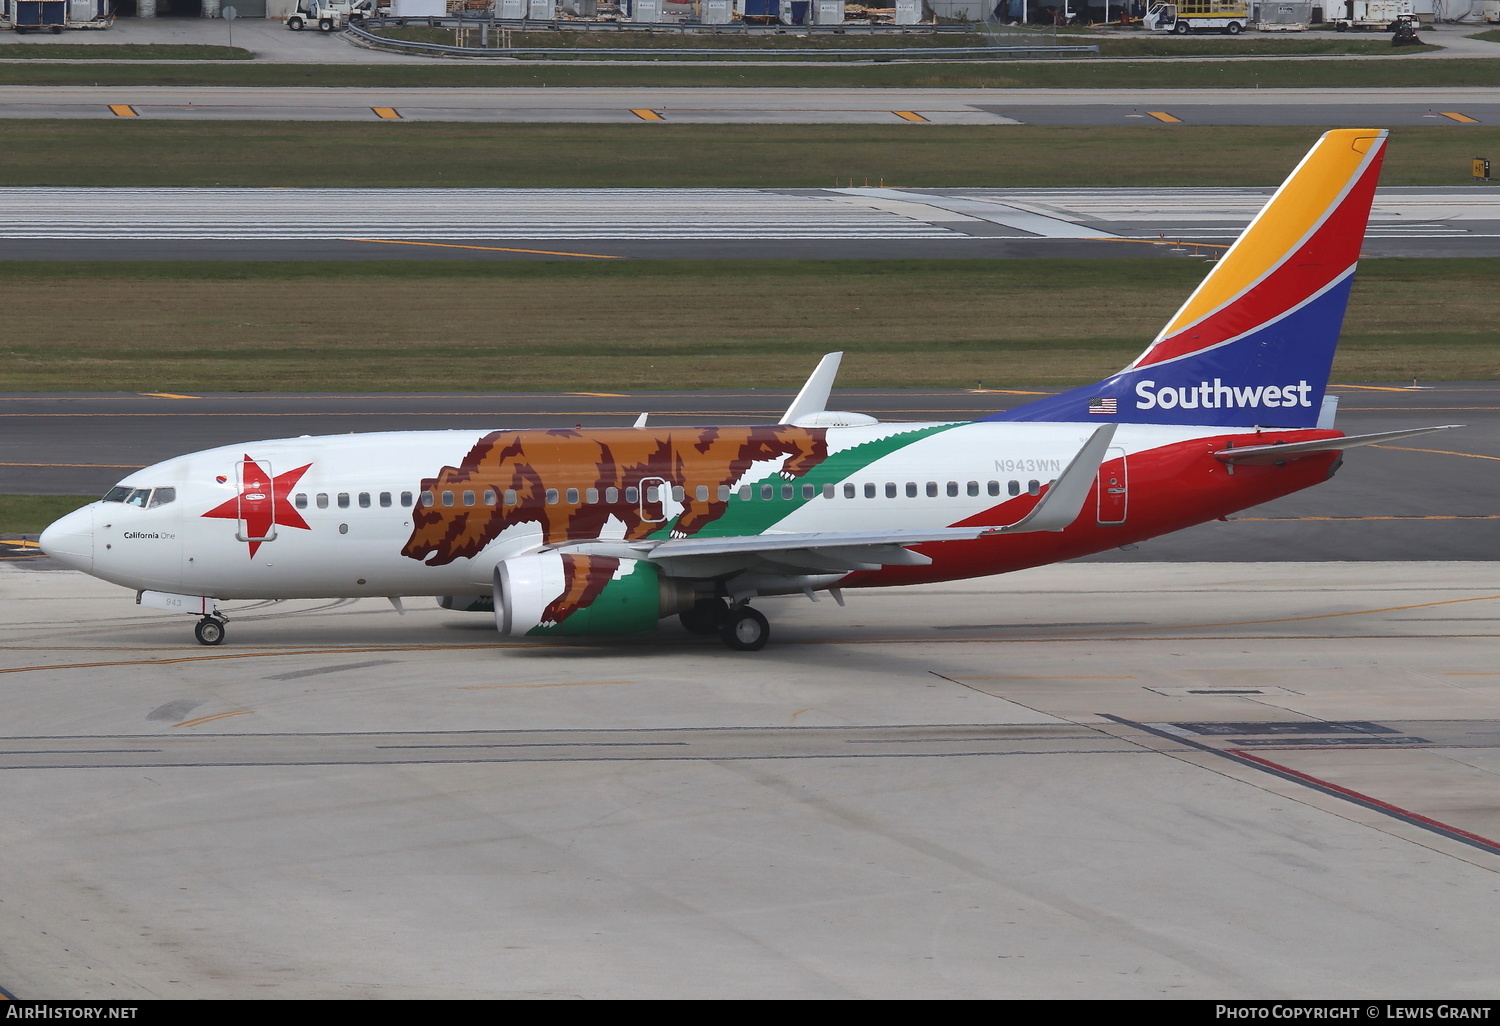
x,y
328,15
1381,15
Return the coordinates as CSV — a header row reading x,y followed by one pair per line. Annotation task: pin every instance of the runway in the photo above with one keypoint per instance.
x,y
647,106
585,224
1433,498
1202,781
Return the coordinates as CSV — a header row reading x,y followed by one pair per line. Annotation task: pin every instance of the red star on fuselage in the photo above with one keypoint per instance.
x,y
263,503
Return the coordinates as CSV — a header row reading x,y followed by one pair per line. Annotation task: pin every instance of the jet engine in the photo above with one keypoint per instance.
x,y
560,593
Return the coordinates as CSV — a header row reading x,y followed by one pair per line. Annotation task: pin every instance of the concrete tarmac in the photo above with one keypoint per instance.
x,y
1203,781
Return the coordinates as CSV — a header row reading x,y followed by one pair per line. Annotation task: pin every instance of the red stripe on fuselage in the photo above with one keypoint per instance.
x,y
1171,488
1331,251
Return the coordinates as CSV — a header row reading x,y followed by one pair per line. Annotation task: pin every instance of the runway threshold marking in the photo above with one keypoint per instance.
x,y
1462,118
646,115
1162,115
909,115
1439,452
123,110
387,113
491,249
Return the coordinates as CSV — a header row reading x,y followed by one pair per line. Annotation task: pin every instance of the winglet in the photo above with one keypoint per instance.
x,y
1064,500
814,395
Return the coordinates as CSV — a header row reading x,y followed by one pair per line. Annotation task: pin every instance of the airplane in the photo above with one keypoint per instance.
x,y
598,533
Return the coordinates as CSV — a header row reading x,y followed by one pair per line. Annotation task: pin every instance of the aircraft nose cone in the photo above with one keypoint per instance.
x,y
70,540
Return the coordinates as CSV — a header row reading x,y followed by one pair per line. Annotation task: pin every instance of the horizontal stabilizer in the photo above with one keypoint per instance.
x,y
1262,455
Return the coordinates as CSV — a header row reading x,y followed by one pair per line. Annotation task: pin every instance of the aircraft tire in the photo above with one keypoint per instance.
x,y
209,631
745,630
706,618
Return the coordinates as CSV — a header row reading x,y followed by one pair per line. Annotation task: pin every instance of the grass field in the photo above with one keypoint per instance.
x,y
623,326
28,514
161,153
1386,70
124,52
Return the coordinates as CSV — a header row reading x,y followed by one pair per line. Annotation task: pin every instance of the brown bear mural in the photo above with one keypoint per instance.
x,y
534,463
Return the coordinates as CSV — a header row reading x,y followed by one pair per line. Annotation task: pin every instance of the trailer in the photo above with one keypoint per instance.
x,y
55,15
1230,17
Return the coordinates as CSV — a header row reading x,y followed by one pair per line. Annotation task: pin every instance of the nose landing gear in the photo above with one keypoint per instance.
x,y
210,629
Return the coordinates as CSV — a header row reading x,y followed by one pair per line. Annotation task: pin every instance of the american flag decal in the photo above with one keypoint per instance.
x,y
1104,406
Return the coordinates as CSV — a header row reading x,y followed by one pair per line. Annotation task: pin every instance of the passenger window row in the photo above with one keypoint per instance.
x,y
745,493
342,500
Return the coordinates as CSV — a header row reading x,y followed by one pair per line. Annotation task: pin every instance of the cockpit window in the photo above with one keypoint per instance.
x,y
138,497
161,496
116,494
144,498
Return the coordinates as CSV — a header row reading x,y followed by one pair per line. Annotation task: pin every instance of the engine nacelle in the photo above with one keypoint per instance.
x,y
555,593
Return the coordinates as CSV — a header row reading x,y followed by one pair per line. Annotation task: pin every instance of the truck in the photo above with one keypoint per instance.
x,y
1180,17
328,15
54,15
1368,14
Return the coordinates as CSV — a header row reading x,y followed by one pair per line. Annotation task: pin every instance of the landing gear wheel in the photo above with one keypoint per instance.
x,y
705,618
745,630
209,631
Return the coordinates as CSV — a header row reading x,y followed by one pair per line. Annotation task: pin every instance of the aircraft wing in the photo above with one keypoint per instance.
x,y
847,551
1260,455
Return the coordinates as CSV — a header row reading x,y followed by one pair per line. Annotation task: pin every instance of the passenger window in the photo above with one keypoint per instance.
x,y
890,489
745,493
468,496
932,489
489,496
870,490
300,500
768,492
385,500
591,496
911,489
828,491
952,488
1033,488
552,496
572,496
1014,488
787,491
973,487
611,495
323,500
406,498
994,487
678,493
632,494
364,500
848,491
808,491
162,496
343,500
510,496
428,499
725,492
702,493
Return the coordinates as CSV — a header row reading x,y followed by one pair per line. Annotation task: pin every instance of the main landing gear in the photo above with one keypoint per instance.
x,y
740,627
210,629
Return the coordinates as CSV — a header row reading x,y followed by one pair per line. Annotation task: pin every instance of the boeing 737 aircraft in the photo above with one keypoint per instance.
x,y
606,532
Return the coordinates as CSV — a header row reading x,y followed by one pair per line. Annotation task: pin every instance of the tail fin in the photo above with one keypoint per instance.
x,y
1254,343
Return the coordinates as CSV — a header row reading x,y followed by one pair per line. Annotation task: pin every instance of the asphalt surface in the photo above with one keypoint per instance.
x,y
1432,498
866,221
